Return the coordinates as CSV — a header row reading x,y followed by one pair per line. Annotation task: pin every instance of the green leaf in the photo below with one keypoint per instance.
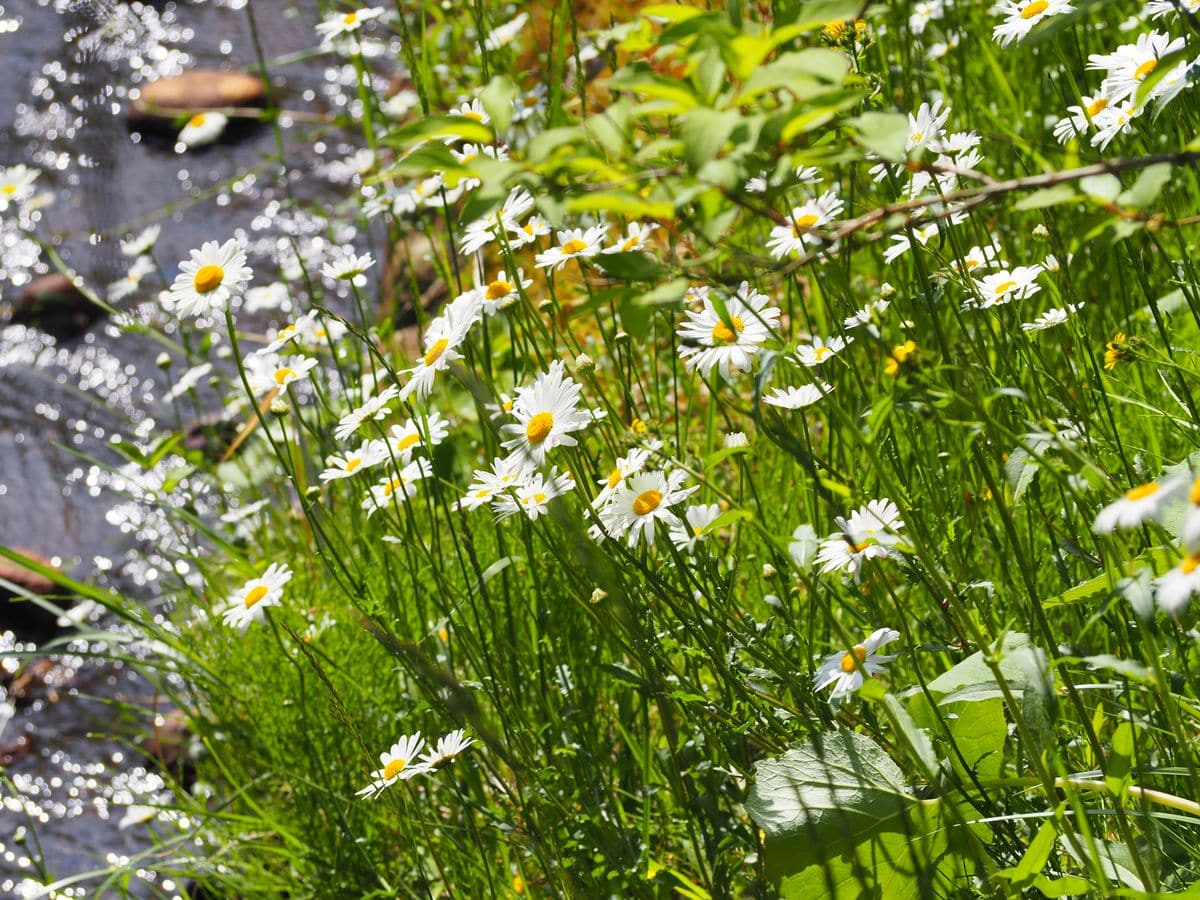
x,y
704,132
1020,469
883,133
635,266
1051,196
1034,859
916,737
804,74
438,127
1148,186
976,730
1120,760
1104,187
621,203
497,101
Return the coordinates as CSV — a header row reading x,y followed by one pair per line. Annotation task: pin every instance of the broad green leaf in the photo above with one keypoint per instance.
x,y
704,132
1034,859
977,732
1120,760
438,127
1148,186
883,133
497,100
620,203
1020,469
1051,196
635,266
1104,187
668,294
916,737
804,74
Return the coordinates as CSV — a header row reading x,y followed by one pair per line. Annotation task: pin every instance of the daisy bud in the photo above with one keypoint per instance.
x,y
598,594
1041,231
280,407
769,571
584,363
886,290
163,361
621,337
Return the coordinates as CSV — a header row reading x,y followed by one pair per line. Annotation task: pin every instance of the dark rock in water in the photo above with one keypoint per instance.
x,y
17,612
411,281
55,305
162,103
168,748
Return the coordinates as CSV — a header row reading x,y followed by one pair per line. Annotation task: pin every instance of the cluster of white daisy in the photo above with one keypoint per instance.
x,y
1120,101
1161,502
404,760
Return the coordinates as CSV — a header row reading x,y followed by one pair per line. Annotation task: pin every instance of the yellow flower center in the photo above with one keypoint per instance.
x,y
1005,287
631,243
1142,491
9,189
1096,106
1036,8
1188,564
350,18
1194,493
434,353
573,246
803,223
646,502
407,441
498,289
197,120
208,279
1145,69
859,547
255,594
471,114
614,478
819,353
854,659
353,463
726,335
391,486
443,635
282,375
539,427
918,137
395,767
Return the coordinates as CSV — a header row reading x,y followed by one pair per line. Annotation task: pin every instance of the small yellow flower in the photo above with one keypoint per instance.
x,y
1115,350
518,884
637,426
899,357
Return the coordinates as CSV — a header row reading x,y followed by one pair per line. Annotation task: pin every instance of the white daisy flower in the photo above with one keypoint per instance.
x,y
472,109
547,414
140,243
187,381
642,500
1006,285
503,290
797,397
629,464
206,282
1191,520
575,243
1174,590
442,339
452,745
398,487
373,408
405,439
1130,64
924,12
1079,119
16,185
398,763
1051,318
371,453
635,238
267,298
506,473
870,315
346,265
250,603
696,519
868,533
201,129
847,670
535,227
819,351
1156,9
341,24
269,372
531,103
132,280
727,346
1115,120
1143,503
926,126
1023,15
791,239
533,495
